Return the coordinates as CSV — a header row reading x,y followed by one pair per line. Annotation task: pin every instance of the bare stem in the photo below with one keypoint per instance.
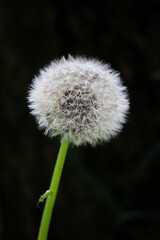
x,y
47,213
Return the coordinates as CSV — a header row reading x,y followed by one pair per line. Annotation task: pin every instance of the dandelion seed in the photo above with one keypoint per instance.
x,y
79,99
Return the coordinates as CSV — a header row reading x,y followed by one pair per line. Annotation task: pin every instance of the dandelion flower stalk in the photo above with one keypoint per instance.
x,y
47,213
81,100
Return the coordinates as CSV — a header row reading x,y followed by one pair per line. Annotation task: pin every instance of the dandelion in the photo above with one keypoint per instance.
x,y
81,100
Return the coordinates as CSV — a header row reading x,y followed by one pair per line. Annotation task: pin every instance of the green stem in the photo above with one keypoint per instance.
x,y
47,213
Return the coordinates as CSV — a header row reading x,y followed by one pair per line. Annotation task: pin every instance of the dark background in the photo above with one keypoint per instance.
x,y
108,192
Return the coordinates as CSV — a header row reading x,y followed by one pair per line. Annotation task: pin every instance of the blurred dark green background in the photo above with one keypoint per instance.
x,y
110,192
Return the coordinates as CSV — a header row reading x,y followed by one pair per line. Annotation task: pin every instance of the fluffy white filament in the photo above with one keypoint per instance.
x,y
79,99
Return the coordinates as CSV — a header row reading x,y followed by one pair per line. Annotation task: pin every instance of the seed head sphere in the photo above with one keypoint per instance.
x,y
79,99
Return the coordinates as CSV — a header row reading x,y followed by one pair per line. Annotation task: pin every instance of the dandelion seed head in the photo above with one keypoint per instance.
x,y
79,99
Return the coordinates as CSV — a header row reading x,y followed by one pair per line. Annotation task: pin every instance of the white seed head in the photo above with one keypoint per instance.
x,y
80,99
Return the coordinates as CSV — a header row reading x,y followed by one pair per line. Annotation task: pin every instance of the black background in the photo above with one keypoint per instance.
x,y
108,192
